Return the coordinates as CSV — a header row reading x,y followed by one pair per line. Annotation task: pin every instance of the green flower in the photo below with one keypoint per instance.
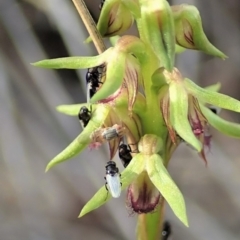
x,y
117,16
182,106
189,32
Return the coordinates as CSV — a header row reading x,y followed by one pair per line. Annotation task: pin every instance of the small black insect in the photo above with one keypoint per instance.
x,y
101,4
113,179
84,115
167,230
93,77
124,153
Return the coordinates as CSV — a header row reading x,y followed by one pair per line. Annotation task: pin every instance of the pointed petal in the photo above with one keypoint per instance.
x,y
214,98
229,128
73,109
215,87
82,141
74,62
179,114
166,186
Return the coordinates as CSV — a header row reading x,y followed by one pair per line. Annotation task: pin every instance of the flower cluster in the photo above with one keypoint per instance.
x,y
141,104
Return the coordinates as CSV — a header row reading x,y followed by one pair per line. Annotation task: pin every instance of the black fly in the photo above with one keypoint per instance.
x,y
84,115
214,109
124,153
167,230
93,77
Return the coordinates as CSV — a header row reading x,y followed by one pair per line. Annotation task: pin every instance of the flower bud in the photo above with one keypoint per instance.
x,y
189,32
159,27
115,18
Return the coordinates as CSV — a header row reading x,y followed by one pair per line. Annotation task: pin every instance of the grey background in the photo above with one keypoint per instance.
x,y
39,206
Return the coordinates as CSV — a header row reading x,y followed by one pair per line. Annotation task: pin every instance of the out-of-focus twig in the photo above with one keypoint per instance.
x,y
90,25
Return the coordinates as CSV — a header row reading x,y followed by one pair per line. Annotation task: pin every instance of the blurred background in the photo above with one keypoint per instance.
x,y
39,206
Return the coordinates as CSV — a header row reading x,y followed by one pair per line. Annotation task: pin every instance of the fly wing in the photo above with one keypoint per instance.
x,y
88,92
114,185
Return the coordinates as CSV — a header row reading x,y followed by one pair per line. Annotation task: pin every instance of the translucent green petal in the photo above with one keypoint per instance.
x,y
229,128
74,62
82,141
166,186
214,98
134,168
179,114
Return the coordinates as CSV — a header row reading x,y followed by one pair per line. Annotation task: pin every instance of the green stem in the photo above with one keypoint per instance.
x,y
149,226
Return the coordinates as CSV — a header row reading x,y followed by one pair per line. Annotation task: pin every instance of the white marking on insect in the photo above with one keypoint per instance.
x,y
114,185
113,182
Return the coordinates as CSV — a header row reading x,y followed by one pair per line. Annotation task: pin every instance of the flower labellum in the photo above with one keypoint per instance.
x,y
142,195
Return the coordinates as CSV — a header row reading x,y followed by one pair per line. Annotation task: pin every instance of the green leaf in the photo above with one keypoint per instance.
x,y
179,114
82,141
166,186
73,109
134,168
114,76
214,98
229,128
74,62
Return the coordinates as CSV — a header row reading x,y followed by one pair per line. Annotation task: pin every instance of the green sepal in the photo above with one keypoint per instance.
x,y
211,97
82,140
133,7
74,62
73,109
179,49
114,76
162,180
215,87
158,25
179,114
228,128
189,31
135,167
